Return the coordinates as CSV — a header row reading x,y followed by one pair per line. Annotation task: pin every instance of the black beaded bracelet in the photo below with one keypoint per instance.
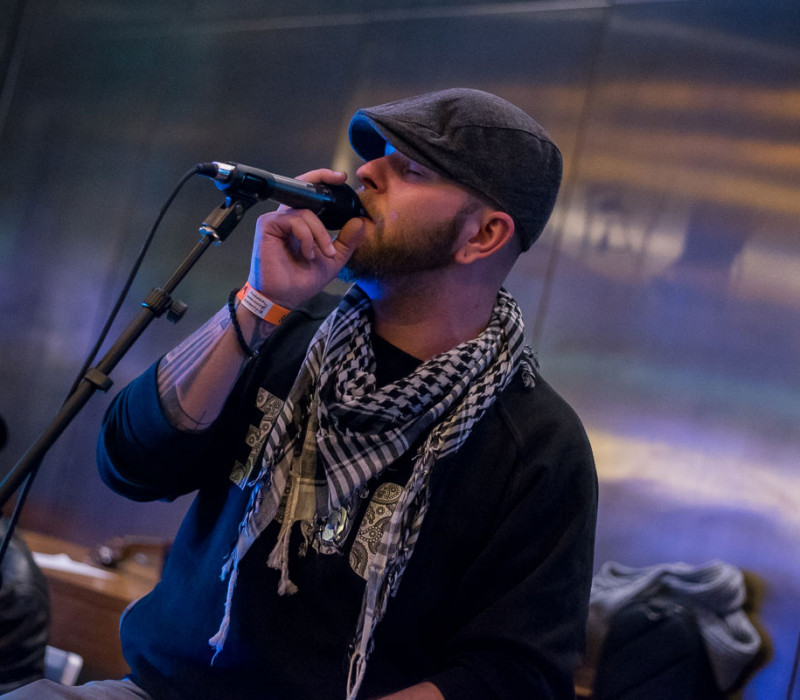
x,y
237,328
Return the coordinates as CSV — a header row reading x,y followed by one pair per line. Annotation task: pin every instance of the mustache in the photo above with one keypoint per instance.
x,y
367,206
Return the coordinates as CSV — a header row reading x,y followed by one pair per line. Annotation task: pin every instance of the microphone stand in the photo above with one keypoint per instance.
x,y
215,229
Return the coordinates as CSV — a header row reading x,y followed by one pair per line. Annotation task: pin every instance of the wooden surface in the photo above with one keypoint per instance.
x,y
86,610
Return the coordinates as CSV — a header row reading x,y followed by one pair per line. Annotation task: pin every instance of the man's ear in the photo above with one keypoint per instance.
x,y
495,231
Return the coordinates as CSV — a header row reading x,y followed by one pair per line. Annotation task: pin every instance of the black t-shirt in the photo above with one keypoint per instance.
x,y
391,363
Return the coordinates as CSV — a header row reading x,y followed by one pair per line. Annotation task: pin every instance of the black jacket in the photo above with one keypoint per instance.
x,y
493,602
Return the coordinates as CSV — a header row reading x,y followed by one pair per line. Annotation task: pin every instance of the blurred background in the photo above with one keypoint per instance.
x,y
663,299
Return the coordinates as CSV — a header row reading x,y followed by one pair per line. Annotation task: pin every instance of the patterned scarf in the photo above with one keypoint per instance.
x,y
337,431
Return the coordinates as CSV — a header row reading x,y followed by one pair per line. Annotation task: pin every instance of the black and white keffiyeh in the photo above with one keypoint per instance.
x,y
338,430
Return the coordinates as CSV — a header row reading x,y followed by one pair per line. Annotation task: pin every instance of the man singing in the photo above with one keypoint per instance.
x,y
391,501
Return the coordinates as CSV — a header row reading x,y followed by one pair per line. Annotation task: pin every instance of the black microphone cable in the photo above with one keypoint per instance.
x,y
137,263
28,483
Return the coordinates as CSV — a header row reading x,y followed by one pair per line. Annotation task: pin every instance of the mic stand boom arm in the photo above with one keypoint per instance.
x,y
215,229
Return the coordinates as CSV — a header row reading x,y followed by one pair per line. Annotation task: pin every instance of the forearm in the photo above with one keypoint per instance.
x,y
195,379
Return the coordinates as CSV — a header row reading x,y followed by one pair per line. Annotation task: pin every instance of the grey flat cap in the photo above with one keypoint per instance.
x,y
475,139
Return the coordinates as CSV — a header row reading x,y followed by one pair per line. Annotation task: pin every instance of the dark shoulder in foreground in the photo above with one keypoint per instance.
x,y
520,407
541,421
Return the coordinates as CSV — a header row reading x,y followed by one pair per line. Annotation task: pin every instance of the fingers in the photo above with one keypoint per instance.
x,y
299,231
329,177
312,235
321,175
293,254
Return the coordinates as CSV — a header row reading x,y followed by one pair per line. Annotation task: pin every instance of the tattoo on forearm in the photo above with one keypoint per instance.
x,y
177,416
180,368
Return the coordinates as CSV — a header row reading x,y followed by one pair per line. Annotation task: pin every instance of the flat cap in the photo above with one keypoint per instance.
x,y
475,139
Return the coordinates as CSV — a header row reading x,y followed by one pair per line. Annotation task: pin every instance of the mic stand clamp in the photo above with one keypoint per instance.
x,y
220,222
159,301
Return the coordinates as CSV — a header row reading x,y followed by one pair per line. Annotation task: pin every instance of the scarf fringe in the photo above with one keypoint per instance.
x,y
355,676
218,640
279,559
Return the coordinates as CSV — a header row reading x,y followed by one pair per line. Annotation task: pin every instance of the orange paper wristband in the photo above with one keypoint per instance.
x,y
255,301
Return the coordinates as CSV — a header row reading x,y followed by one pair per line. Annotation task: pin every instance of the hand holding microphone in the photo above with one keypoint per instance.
x,y
294,257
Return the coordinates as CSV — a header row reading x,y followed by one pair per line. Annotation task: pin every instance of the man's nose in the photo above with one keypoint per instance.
x,y
372,174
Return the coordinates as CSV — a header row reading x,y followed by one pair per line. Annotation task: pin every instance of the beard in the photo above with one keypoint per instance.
x,y
407,253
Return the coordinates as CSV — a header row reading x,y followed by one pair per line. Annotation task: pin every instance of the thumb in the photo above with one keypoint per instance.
x,y
350,237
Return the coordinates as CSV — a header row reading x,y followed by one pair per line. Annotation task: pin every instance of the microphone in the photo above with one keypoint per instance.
x,y
335,205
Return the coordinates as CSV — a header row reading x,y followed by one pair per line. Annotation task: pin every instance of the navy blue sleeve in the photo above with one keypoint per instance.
x,y
140,455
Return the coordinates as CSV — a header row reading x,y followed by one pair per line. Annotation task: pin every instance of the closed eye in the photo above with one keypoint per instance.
x,y
419,172
412,169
